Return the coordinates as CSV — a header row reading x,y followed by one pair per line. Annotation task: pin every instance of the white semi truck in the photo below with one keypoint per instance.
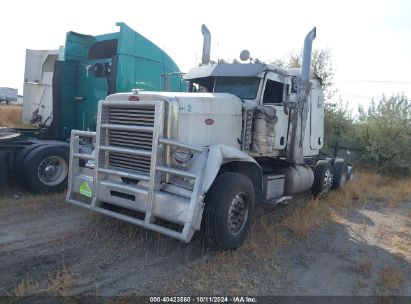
x,y
245,133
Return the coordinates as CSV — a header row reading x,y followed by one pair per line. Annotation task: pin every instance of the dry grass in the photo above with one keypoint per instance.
x,y
28,203
304,219
11,116
380,233
27,287
401,242
365,188
227,272
114,234
60,283
364,265
368,186
360,285
390,279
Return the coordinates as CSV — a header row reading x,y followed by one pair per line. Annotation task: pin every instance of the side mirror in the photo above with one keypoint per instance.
x,y
291,99
290,102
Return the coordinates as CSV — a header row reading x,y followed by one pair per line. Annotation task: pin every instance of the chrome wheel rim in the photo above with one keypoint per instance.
x,y
328,182
52,170
238,213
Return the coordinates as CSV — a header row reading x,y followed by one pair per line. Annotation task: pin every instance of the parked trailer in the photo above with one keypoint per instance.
x,y
37,89
8,95
173,162
66,89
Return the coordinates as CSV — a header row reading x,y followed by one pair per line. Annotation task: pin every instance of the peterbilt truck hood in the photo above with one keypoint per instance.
x,y
200,119
209,118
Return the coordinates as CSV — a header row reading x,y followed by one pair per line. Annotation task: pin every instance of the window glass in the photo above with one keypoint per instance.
x,y
103,49
273,92
243,87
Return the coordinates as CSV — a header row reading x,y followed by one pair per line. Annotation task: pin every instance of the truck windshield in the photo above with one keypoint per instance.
x,y
242,87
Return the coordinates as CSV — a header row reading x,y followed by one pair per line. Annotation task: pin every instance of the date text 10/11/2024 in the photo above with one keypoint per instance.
x,y
221,299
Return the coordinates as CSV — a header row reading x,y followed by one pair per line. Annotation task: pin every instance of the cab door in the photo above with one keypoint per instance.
x,y
317,119
275,89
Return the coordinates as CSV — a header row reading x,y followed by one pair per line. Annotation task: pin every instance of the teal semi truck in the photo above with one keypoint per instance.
x,y
91,68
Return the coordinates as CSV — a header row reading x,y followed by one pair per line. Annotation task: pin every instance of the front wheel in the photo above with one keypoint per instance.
x,y
229,209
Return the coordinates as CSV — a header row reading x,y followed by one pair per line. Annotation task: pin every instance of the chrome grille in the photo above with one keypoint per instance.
x,y
132,116
143,116
131,139
131,162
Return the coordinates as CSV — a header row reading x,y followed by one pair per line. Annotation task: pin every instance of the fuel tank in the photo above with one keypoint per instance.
x,y
298,178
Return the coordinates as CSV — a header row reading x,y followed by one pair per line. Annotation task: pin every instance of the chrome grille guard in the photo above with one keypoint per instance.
x,y
128,134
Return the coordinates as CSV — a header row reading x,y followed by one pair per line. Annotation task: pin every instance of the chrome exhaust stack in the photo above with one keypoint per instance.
x,y
299,111
205,58
306,61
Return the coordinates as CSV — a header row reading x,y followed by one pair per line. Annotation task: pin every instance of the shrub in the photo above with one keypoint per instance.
x,y
384,131
338,125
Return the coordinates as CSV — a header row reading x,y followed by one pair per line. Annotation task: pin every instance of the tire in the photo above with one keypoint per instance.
x,y
228,194
340,173
19,172
3,173
19,169
323,178
45,158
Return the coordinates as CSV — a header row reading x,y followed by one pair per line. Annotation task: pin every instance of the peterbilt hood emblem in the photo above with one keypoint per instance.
x,y
134,98
209,121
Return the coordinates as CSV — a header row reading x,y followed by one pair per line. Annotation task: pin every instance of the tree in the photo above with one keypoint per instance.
x,y
338,121
338,125
384,132
321,64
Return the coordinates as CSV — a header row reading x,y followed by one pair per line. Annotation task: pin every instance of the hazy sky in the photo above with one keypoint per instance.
x,y
370,41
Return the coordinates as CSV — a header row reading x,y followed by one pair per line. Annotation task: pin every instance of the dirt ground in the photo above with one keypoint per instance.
x,y
349,243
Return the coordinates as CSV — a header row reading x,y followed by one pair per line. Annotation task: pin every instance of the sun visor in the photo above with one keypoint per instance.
x,y
237,70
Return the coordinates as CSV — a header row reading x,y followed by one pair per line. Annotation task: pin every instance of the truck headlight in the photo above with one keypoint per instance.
x,y
182,155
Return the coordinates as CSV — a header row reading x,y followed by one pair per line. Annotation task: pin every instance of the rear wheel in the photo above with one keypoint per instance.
x,y
340,173
229,209
18,169
323,178
3,173
47,168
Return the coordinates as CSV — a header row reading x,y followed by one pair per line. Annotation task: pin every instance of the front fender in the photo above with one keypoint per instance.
x,y
219,155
